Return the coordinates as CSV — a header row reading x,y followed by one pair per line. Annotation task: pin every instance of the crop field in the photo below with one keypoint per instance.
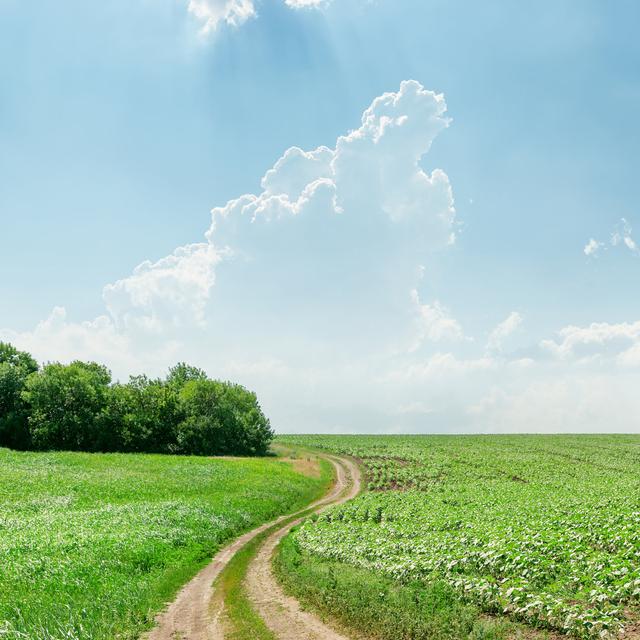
x,y
92,545
544,530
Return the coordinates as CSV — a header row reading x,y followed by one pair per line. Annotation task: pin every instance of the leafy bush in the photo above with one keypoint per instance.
x,y
76,407
15,367
221,417
143,416
66,405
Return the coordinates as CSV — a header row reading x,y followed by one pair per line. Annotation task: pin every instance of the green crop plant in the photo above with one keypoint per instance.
x,y
542,529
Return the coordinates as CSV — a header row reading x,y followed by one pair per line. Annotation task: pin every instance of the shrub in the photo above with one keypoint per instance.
x,y
15,368
67,405
143,416
76,407
221,418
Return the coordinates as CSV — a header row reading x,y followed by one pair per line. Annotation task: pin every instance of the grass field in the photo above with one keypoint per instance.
x,y
91,545
543,530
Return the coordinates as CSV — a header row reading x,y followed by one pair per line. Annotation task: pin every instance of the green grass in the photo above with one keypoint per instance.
x,y
92,545
542,529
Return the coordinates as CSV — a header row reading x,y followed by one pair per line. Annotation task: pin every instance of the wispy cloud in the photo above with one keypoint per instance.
x,y
506,328
621,236
592,248
433,323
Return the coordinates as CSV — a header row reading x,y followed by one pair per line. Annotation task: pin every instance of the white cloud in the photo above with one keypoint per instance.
x,y
58,339
55,335
212,12
622,236
630,357
374,169
378,163
592,248
300,291
169,293
317,262
345,228
433,323
598,341
297,169
506,328
148,315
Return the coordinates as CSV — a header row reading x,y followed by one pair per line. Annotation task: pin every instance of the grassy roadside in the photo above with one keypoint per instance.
x,y
241,620
109,538
381,609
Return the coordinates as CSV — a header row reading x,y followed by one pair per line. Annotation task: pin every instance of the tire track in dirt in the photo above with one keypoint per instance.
x,y
195,612
282,613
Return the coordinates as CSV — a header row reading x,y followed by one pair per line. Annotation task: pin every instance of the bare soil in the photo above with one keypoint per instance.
x,y
280,612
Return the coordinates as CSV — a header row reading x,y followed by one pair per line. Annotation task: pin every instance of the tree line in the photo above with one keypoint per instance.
x,y
77,407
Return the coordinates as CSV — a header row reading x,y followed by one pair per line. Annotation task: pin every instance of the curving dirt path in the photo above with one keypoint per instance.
x,y
195,612
280,612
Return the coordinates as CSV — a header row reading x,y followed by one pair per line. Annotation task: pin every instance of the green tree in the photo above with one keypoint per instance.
x,y
67,404
75,407
252,429
221,419
182,373
143,415
202,430
15,367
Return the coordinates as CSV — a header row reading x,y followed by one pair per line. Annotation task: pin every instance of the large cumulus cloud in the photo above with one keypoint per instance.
x,y
338,234
325,257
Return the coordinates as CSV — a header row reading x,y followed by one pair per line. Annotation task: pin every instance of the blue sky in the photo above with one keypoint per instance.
x,y
123,123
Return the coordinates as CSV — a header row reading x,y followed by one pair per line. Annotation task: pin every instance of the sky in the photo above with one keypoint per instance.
x,y
381,215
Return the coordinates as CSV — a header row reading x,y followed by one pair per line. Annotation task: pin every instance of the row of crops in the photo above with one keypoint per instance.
x,y
545,529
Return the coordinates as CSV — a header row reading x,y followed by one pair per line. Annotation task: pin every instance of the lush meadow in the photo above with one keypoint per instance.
x,y
91,545
543,530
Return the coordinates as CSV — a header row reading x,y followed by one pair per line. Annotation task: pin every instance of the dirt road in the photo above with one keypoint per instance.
x,y
195,613
282,613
